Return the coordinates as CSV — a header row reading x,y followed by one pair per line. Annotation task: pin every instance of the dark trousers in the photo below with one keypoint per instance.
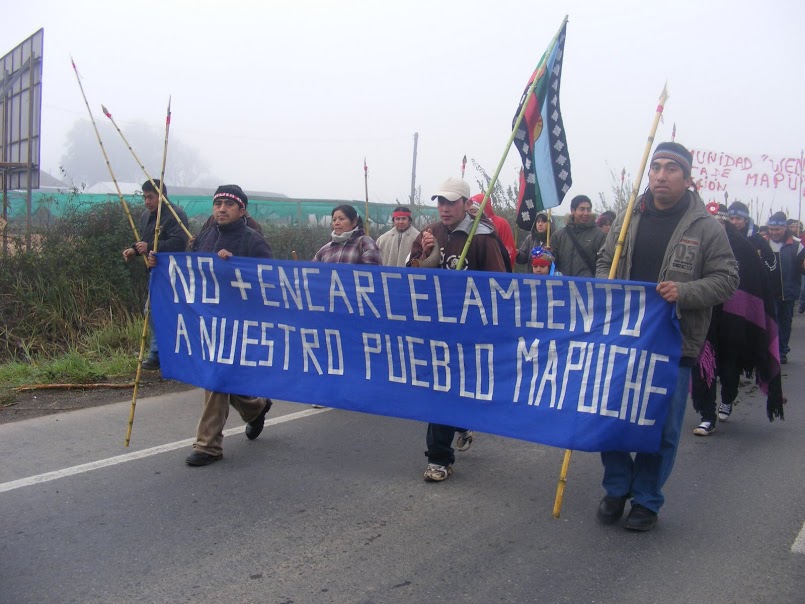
x,y
704,396
785,313
439,441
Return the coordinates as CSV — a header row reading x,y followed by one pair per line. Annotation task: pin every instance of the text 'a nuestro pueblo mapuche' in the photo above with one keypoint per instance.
x,y
373,310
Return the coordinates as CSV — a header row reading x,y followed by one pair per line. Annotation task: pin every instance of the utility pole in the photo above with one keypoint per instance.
x,y
413,170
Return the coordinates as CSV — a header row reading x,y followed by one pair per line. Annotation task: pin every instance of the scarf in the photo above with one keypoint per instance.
x,y
343,237
745,328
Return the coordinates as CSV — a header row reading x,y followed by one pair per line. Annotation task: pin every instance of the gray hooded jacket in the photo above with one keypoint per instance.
x,y
698,258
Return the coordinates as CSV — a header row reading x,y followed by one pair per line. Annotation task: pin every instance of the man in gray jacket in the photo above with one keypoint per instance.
x,y
395,245
577,244
674,241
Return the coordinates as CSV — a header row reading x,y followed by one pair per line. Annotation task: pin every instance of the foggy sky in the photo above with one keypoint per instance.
x,y
290,96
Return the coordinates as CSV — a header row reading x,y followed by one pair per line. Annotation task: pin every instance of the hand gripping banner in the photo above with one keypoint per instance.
x,y
585,364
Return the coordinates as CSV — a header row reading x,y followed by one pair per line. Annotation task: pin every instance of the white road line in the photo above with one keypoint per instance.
x,y
799,543
118,459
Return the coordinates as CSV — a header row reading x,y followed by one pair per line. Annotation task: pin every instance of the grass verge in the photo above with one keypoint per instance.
x,y
107,354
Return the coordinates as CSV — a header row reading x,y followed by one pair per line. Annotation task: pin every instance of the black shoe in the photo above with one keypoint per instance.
x,y
783,359
255,427
151,362
199,458
640,518
611,509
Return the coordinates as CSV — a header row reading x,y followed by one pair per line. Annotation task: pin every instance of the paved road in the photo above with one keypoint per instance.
x,y
329,506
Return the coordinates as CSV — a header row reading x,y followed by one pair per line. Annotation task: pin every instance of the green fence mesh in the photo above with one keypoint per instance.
x,y
282,211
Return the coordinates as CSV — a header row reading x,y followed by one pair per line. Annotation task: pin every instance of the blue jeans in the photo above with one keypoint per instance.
x,y
153,349
785,314
643,476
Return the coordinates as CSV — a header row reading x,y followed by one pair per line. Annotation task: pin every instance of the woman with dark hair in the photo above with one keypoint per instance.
x,y
538,237
605,221
349,244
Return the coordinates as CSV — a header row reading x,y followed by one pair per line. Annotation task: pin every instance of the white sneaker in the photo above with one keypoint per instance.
x,y
724,411
437,473
464,440
704,429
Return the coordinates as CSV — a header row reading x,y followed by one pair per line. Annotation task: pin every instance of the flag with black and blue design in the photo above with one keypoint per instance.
x,y
541,140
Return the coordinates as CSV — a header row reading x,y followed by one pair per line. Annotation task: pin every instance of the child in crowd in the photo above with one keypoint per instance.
x,y
542,260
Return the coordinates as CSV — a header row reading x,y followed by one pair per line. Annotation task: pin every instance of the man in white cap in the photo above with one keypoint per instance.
x,y
439,245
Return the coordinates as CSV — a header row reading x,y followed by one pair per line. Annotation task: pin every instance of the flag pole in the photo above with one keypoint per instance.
x,y
515,127
560,489
147,316
366,188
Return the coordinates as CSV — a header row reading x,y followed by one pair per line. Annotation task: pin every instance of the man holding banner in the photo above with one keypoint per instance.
x,y
673,241
439,246
229,237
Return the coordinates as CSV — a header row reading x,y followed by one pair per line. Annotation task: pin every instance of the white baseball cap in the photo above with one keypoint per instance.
x,y
453,189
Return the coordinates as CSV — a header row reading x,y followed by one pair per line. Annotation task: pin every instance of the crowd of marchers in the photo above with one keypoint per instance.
x,y
734,287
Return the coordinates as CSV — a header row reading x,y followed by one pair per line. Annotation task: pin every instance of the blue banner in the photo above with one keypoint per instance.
x,y
583,364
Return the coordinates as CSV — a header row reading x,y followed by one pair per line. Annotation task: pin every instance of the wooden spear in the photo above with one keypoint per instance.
x,y
560,489
366,186
147,317
105,156
142,167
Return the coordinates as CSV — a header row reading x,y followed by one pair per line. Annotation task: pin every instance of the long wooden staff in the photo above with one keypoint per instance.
x,y
515,127
142,167
157,228
105,156
627,219
366,187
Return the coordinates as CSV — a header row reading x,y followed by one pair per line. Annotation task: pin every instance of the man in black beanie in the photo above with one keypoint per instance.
x,y
229,237
791,261
672,241
172,238
250,222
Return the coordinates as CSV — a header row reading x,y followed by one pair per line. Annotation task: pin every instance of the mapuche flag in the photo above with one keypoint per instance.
x,y
541,140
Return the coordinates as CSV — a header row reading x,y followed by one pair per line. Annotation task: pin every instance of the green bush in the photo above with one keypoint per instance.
x,y
72,292
72,282
303,240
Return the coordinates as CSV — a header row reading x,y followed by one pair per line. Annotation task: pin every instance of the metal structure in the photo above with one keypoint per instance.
x,y
20,127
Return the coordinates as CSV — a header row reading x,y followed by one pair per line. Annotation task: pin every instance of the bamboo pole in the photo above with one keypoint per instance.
x,y
142,167
105,156
560,488
515,127
366,187
147,317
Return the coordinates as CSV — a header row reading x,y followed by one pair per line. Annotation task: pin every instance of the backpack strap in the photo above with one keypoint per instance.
x,y
582,252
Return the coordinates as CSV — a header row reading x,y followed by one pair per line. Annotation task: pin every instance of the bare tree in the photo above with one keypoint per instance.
x,y
621,191
504,197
